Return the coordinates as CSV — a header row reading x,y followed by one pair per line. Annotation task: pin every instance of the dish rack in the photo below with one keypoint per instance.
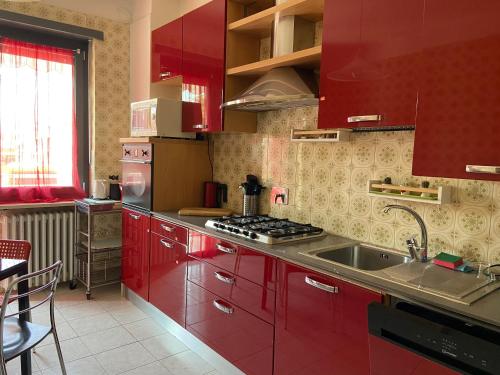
x,y
97,262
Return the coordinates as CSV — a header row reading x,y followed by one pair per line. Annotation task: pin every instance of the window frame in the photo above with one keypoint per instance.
x,y
81,86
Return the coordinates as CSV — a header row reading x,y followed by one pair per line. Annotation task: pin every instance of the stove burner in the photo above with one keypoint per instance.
x,y
264,228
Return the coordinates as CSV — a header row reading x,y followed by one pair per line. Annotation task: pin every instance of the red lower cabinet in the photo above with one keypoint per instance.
x,y
167,278
240,337
135,251
321,324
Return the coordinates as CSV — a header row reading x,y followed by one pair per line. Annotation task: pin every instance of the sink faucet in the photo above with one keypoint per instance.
x,y
417,252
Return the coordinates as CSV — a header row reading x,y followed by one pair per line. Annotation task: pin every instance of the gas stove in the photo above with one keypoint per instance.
x,y
264,229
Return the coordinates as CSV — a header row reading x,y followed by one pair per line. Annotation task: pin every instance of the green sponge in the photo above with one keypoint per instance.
x,y
448,260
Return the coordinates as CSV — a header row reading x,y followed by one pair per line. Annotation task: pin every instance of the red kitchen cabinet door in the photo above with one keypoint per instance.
x,y
320,328
458,110
241,338
203,67
387,358
166,51
369,63
135,251
167,278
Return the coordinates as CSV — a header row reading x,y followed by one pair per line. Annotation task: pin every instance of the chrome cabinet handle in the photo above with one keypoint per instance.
x,y
165,74
200,126
225,279
364,118
222,306
135,161
167,228
225,249
322,286
483,169
135,217
166,244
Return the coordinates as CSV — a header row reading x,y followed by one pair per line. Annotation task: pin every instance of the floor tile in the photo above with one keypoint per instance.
x,y
124,358
95,323
14,366
85,309
143,329
128,314
64,331
84,366
164,346
187,363
150,369
42,316
73,349
108,339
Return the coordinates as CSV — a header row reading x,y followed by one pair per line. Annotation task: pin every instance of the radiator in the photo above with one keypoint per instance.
x,y
50,234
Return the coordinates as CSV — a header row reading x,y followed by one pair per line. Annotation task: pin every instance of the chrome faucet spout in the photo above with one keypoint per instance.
x,y
417,252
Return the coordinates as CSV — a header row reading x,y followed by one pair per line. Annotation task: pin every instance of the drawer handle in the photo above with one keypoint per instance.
x,y
222,306
225,279
135,217
166,244
166,228
225,249
200,126
165,74
483,169
327,288
364,118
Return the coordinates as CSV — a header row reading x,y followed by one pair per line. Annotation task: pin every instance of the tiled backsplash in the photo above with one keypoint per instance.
x,y
328,186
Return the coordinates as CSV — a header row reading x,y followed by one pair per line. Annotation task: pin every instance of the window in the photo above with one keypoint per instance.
x,y
39,139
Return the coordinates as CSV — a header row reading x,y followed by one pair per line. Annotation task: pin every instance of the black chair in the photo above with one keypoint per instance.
x,y
17,337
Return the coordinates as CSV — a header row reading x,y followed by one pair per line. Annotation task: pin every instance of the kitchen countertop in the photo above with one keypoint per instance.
x,y
486,309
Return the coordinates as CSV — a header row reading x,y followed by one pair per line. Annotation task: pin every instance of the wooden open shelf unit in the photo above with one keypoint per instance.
x,y
309,58
261,23
437,195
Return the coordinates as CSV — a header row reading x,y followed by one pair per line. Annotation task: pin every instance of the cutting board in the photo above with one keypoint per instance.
x,y
203,211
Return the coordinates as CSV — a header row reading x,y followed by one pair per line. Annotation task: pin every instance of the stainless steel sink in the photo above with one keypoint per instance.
x,y
361,257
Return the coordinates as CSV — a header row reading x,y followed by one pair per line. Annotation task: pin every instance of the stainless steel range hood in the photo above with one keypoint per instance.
x,y
285,87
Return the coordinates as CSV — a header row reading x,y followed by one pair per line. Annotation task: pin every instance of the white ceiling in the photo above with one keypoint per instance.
x,y
119,10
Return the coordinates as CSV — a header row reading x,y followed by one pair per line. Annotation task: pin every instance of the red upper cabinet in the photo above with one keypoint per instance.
x,y
167,279
166,51
203,67
369,63
135,251
321,324
458,110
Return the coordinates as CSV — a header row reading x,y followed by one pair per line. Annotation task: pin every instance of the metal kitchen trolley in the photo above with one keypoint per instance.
x,y
97,261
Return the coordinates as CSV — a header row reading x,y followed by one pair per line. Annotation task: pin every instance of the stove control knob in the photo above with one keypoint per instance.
x,y
229,229
253,236
216,225
245,233
221,226
145,152
236,230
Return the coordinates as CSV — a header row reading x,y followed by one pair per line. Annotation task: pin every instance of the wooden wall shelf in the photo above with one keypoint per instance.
x,y
260,23
437,195
309,58
327,135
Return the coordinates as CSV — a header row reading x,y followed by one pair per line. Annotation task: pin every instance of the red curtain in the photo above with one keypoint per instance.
x,y
38,138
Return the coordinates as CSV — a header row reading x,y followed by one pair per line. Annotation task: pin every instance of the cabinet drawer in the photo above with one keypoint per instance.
x,y
241,338
252,265
169,230
243,293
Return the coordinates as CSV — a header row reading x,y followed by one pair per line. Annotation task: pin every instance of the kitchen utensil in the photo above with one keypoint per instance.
x,y
214,194
251,191
100,189
203,211
114,188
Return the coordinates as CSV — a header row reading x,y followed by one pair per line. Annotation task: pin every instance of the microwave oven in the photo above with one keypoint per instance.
x,y
159,117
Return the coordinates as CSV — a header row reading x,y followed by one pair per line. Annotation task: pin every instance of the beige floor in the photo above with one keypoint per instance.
x,y
109,335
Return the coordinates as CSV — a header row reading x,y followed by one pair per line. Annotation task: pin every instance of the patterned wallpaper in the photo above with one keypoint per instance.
x,y
328,186
109,80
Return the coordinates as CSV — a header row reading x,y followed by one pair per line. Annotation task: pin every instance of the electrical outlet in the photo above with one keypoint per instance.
x,y
279,195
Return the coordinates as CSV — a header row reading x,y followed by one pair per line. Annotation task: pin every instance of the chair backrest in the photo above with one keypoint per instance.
x,y
15,249
49,288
